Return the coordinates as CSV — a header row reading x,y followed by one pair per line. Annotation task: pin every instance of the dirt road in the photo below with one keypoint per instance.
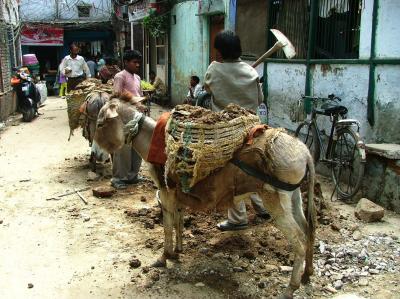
x,y
67,249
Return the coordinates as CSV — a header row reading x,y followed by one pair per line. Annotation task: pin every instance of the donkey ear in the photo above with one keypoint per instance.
x,y
112,111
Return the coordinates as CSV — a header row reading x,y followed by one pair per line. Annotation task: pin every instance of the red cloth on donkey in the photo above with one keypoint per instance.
x,y
157,153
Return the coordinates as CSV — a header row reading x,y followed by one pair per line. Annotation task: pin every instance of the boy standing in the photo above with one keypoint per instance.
x,y
126,162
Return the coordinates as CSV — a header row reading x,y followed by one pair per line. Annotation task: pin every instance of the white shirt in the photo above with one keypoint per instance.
x,y
196,90
77,65
233,82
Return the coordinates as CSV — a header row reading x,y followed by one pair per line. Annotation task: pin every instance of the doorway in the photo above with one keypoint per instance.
x,y
216,25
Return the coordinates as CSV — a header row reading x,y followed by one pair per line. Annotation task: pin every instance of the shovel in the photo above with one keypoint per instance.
x,y
282,43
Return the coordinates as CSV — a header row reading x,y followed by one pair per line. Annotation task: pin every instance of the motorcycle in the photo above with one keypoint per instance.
x,y
28,95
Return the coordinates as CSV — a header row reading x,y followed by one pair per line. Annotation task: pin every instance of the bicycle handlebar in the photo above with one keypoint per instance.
x,y
330,97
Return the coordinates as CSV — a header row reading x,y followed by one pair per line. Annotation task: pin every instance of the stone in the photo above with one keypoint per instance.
x,y
92,176
238,269
338,284
135,263
148,223
103,191
368,211
357,235
249,255
262,284
363,282
143,199
86,218
330,289
218,255
373,271
204,250
199,284
284,269
1,221
30,285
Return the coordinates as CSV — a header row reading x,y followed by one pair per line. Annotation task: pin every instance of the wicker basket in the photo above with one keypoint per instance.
x,y
76,98
197,149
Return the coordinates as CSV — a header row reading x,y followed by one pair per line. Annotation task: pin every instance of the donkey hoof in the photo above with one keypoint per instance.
x,y
288,294
173,256
305,279
159,263
177,250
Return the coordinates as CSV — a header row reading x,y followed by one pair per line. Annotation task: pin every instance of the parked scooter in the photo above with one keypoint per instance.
x,y
28,95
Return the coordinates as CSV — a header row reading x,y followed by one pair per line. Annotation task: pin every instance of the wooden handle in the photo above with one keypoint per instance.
x,y
276,47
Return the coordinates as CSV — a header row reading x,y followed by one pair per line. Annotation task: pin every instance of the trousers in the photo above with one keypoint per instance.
x,y
238,214
126,164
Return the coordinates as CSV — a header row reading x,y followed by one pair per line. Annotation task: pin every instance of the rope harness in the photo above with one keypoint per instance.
x,y
132,128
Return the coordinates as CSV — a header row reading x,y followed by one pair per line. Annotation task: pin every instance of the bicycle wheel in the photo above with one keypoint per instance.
x,y
347,166
307,133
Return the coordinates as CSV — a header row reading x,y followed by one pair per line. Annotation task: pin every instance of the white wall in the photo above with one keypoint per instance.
x,y
45,10
286,82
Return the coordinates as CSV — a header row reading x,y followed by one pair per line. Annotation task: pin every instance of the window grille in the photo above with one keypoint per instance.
x,y
337,27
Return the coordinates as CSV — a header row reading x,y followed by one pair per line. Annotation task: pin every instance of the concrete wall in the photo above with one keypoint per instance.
x,y
286,82
45,10
188,48
8,16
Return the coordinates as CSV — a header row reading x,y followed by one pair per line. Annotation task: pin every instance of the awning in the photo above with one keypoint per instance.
x,y
42,36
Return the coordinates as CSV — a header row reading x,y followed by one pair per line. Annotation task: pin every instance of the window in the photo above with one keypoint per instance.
x,y
84,11
337,27
160,46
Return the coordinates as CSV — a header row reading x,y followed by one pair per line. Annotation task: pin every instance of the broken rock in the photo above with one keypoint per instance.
x,y
103,191
368,211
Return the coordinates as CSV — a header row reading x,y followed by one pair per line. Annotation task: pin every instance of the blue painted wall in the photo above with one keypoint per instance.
x,y
189,39
188,49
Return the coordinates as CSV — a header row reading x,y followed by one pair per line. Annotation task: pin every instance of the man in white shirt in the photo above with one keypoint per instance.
x,y
194,90
74,68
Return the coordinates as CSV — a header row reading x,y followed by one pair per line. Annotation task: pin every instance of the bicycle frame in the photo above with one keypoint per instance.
x,y
336,125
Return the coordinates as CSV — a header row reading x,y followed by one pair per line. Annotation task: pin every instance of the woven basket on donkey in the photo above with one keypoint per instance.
x,y
199,141
76,98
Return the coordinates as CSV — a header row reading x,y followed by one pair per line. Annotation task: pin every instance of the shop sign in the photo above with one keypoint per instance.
x,y
138,11
42,36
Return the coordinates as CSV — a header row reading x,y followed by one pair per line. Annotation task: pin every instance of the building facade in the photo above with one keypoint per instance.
x,y
345,47
10,54
49,27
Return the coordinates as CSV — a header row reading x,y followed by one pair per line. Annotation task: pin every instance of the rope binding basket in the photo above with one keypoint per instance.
x,y
199,141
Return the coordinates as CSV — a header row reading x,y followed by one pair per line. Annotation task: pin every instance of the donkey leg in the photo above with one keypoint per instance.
x,y
168,202
178,230
280,207
298,215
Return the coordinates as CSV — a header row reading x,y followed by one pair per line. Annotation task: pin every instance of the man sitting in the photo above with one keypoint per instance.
x,y
160,91
194,90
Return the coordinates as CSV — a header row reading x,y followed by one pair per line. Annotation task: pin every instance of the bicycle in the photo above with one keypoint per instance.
x,y
345,153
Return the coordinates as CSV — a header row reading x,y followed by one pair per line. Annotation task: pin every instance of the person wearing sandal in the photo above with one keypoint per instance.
x,y
234,81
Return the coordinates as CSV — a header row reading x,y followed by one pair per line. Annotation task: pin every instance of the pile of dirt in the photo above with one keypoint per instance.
x,y
205,116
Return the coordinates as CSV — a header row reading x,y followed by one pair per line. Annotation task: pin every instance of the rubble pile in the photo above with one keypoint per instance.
x,y
356,261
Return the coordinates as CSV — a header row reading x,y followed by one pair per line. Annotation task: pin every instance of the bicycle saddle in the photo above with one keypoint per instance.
x,y
334,109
